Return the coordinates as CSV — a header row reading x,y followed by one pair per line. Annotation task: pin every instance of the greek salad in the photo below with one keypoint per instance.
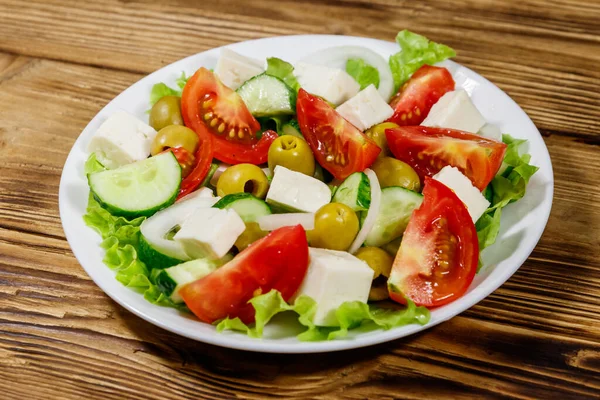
x,y
352,190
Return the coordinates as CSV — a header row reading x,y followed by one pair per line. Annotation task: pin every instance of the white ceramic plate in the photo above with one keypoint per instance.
x,y
522,222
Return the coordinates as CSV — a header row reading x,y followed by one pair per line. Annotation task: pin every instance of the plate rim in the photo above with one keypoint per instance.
x,y
268,346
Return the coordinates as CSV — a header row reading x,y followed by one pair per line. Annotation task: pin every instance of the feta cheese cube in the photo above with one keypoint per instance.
x,y
122,139
210,232
294,191
475,202
334,85
455,110
491,131
366,109
233,69
334,277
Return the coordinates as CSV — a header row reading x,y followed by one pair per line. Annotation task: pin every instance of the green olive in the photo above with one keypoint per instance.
x,y
165,112
392,172
377,133
379,261
243,178
249,236
175,136
336,226
293,153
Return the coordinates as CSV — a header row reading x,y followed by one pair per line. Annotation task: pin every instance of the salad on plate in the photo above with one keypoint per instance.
x,y
350,191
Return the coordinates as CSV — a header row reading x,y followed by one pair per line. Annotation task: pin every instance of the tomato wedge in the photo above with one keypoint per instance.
x,y
278,261
438,256
186,160
204,158
416,97
214,110
338,145
428,150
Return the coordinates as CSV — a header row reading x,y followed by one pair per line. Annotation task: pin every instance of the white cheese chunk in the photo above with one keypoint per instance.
x,y
294,191
203,192
334,277
366,109
455,110
334,85
233,69
491,131
210,232
475,202
122,139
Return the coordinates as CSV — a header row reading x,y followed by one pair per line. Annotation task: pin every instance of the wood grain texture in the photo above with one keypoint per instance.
x,y
538,336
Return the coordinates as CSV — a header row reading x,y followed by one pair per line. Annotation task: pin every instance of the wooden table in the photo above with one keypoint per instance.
x,y
61,337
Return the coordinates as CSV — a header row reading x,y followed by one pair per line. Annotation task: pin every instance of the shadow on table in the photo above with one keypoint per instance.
x,y
188,355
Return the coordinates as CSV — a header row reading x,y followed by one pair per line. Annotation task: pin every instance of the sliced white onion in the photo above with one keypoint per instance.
x,y
276,221
336,57
218,172
371,214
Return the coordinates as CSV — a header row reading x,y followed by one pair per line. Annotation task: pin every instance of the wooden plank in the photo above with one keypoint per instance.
x,y
545,57
537,336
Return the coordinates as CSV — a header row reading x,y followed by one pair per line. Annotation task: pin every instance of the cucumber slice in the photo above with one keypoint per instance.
x,y
248,207
291,128
267,96
355,192
138,189
170,280
397,205
157,247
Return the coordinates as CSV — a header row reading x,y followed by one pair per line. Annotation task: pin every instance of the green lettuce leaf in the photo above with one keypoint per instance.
x,y
505,188
274,123
488,226
283,70
182,80
92,165
416,51
161,90
362,72
350,315
511,184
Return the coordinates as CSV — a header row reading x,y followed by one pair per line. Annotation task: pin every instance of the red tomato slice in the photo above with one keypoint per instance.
x,y
186,160
416,97
278,261
255,154
428,150
338,145
438,256
214,110
204,157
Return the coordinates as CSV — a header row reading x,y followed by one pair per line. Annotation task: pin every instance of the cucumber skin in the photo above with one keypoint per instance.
x,y
118,212
363,196
228,200
374,241
164,282
293,129
292,96
153,259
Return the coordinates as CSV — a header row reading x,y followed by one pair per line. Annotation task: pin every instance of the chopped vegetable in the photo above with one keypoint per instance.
x,y
416,51
362,72
349,316
283,70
